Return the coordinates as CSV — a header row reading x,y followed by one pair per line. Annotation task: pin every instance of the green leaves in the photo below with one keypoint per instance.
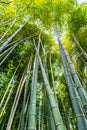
x,y
78,18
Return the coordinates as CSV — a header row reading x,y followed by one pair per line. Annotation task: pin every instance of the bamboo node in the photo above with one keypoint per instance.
x,y
54,107
75,98
57,125
78,116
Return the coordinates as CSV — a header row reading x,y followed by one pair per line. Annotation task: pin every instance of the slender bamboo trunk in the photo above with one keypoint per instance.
x,y
42,113
50,117
55,111
27,113
25,94
13,47
3,54
6,22
38,106
12,36
81,120
7,30
16,100
52,78
78,85
11,50
32,109
66,117
81,49
9,85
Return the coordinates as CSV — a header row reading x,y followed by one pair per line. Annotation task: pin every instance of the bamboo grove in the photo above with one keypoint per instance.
x,y
43,65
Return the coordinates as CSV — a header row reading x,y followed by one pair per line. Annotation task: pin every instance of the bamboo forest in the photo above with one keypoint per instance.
x,y
43,65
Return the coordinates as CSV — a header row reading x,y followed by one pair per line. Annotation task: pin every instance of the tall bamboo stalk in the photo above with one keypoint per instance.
x,y
68,122
6,22
81,120
54,107
9,85
7,30
22,117
78,85
32,109
11,50
79,46
50,117
10,90
16,100
12,36
52,78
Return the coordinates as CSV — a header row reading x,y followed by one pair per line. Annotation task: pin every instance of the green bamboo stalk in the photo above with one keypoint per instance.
x,y
81,120
12,36
7,30
50,117
6,22
79,87
12,43
42,114
9,85
54,107
5,52
81,49
10,49
27,113
38,106
13,47
66,117
25,94
4,122
32,109
16,100
54,89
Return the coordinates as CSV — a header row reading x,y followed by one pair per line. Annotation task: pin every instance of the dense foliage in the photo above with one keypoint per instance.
x,y
35,69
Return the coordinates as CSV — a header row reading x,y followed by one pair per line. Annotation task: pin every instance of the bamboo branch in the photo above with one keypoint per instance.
x,y
5,2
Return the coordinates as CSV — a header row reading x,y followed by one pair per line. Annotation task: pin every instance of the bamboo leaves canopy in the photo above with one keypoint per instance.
x,y
43,81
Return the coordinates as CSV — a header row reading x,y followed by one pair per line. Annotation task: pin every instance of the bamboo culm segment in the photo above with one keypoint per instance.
x,y
32,108
11,37
16,100
79,87
54,107
81,120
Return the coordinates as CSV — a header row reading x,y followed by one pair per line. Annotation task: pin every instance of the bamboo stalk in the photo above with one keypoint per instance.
x,y
66,117
5,52
50,117
81,49
12,36
78,85
81,120
52,78
6,22
7,30
55,111
9,85
25,95
13,47
32,109
16,100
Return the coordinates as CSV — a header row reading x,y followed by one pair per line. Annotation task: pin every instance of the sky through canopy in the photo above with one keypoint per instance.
x,y
81,1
